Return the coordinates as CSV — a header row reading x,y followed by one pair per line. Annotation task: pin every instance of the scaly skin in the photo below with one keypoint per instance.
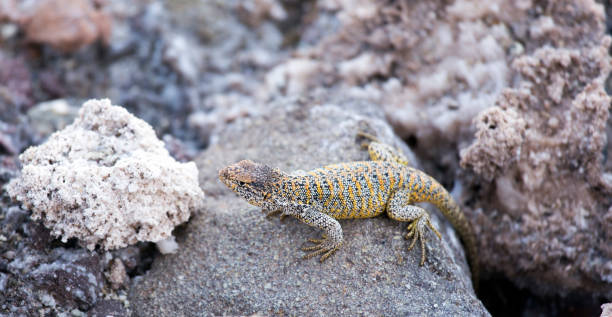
x,y
352,190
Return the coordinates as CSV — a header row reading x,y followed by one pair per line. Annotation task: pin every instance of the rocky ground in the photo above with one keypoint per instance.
x,y
505,103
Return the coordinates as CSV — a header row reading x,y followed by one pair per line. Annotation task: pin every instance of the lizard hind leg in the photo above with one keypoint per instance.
x,y
416,231
418,221
383,152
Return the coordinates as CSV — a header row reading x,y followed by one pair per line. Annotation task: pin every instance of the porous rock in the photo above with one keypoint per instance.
x,y
503,130
106,179
234,261
606,310
542,194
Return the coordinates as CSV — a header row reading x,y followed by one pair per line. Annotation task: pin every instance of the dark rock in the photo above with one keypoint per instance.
x,y
8,168
74,279
178,149
15,87
14,216
129,256
39,235
3,281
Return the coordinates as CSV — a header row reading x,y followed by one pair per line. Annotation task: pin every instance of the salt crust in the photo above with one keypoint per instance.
x,y
106,179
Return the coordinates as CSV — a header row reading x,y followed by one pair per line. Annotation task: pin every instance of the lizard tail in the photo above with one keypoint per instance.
x,y
447,205
457,218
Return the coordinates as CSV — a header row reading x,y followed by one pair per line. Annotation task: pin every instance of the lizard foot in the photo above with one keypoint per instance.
x,y
323,246
416,231
382,152
370,137
273,213
367,136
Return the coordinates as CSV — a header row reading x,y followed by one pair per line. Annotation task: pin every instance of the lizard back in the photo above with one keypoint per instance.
x,y
346,190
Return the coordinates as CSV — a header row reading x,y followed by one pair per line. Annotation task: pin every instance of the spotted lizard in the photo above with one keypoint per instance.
x,y
361,189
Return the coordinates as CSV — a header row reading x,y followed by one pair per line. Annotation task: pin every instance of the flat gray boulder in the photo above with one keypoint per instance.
x,y
234,261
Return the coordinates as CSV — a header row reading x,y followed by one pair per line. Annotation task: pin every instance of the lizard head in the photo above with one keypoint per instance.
x,y
251,181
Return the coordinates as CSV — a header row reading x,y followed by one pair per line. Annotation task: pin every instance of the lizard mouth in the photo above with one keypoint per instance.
x,y
224,176
224,173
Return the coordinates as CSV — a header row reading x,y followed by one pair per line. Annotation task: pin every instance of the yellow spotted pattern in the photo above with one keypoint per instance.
x,y
348,190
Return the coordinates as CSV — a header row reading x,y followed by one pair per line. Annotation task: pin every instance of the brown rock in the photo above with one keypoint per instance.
x,y
117,275
502,133
67,25
543,215
8,11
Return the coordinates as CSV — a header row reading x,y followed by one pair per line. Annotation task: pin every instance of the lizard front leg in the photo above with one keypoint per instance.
x,y
418,218
331,239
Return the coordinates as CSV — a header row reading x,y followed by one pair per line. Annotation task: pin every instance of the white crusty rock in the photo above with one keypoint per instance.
x,y
106,179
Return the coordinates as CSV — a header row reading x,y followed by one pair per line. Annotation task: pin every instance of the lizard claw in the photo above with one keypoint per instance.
x,y
323,246
416,231
369,137
273,213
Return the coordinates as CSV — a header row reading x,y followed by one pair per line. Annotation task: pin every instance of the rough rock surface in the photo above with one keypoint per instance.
x,y
65,278
543,194
106,179
606,310
41,276
72,279
235,261
107,308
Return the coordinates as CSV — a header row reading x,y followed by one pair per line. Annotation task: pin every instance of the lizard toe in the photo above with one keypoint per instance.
x,y
323,246
416,232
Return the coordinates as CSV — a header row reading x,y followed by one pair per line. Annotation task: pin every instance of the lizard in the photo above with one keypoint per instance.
x,y
361,189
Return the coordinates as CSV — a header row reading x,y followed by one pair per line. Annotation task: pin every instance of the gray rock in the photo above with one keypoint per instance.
x,y
52,280
75,279
50,116
106,308
234,261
